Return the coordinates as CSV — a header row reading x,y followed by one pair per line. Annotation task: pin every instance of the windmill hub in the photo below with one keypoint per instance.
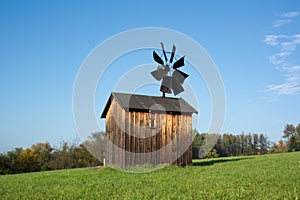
x,y
173,81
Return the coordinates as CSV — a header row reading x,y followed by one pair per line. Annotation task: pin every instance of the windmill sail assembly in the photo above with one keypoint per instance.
x,y
172,78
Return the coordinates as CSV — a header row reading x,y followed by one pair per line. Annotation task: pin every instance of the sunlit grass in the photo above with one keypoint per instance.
x,y
257,177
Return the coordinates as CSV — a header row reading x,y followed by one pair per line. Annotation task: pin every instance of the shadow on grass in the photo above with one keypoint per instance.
x,y
208,162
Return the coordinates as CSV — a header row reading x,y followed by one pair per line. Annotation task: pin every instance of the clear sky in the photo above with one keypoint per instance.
x,y
255,45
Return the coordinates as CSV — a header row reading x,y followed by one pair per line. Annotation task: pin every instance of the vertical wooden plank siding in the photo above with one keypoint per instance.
x,y
124,130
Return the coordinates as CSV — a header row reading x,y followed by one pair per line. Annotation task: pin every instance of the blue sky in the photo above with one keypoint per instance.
x,y
253,43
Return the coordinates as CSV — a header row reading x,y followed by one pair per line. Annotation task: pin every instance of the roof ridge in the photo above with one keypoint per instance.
x,y
122,93
145,102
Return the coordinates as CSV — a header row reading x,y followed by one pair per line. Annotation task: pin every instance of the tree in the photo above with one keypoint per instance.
x,y
292,133
14,161
294,144
43,151
4,164
280,144
248,145
263,144
96,144
196,144
289,131
238,145
28,161
220,147
212,154
208,144
298,129
255,143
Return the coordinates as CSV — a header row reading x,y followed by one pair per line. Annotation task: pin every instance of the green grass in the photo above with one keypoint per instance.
x,y
258,177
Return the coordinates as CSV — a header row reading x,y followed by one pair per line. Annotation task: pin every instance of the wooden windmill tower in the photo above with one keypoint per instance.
x,y
154,130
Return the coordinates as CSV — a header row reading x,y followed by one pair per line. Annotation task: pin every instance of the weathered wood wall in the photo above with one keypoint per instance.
x,y
132,141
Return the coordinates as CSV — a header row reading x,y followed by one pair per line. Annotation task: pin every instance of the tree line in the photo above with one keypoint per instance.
x,y
290,141
43,156
229,145
216,145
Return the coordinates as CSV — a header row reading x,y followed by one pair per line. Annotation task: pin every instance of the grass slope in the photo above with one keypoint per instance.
x,y
259,177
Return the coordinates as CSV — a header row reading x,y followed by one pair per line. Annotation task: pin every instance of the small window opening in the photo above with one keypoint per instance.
x,y
152,123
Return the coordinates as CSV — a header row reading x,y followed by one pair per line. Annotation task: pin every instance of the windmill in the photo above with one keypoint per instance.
x,y
172,78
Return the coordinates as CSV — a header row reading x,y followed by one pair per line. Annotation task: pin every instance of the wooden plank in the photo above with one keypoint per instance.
x,y
137,133
144,138
189,140
115,133
110,136
148,140
145,134
167,134
168,138
122,137
117,115
127,139
132,138
179,141
107,120
117,130
158,138
141,140
153,142
182,139
111,150
173,138
163,138
184,133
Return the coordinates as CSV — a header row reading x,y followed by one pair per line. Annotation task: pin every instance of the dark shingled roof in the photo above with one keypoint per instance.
x,y
134,102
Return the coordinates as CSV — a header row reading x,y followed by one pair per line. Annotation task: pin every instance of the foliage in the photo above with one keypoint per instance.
x,y
96,144
274,176
294,143
212,154
229,145
289,131
197,143
292,134
42,157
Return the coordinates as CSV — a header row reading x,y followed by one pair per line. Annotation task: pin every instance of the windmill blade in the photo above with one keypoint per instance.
x,y
179,63
173,53
163,48
166,85
179,75
159,74
176,86
157,58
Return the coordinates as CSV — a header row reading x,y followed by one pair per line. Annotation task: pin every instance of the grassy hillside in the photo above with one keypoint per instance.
x,y
259,177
